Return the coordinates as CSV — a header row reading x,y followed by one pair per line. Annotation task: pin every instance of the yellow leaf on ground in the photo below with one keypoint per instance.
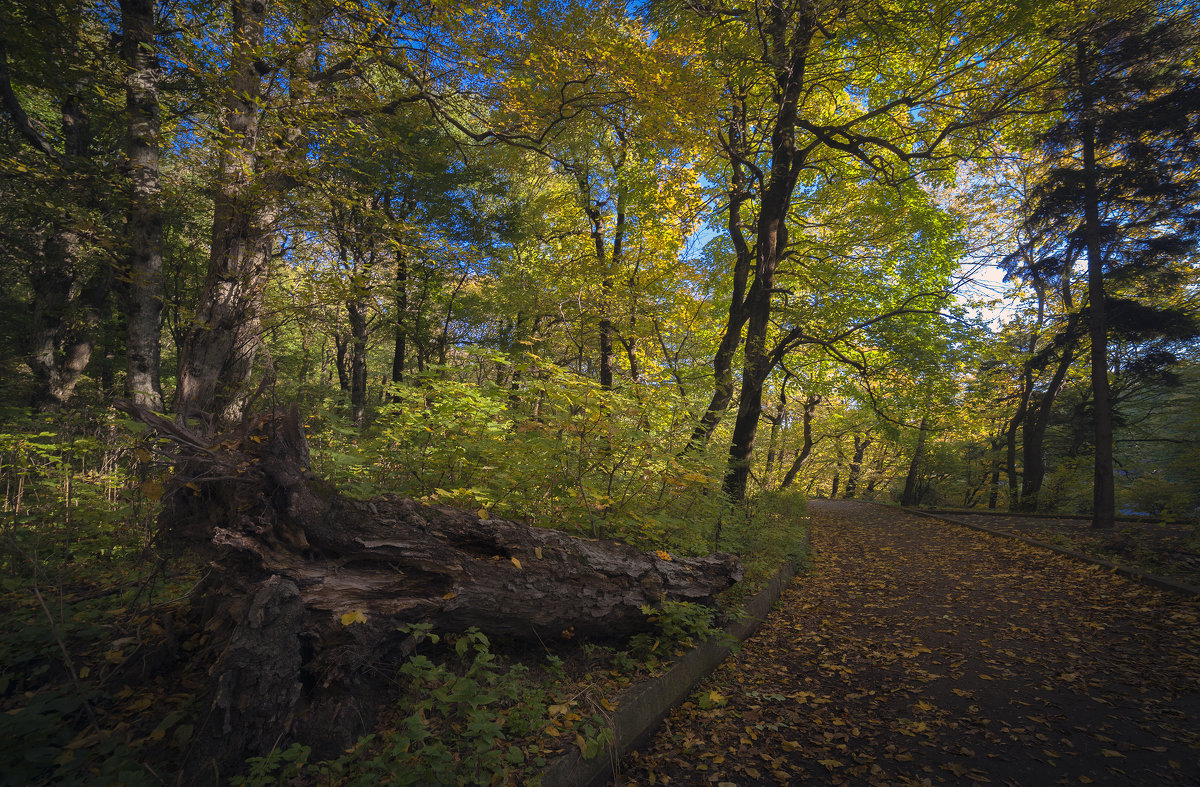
x,y
516,562
354,616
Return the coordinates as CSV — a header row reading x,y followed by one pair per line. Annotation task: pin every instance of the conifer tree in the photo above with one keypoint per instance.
x,y
1121,197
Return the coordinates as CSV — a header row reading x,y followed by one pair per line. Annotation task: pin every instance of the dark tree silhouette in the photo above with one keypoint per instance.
x,y
1122,192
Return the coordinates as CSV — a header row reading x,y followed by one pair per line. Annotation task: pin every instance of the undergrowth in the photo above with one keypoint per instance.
x,y
101,667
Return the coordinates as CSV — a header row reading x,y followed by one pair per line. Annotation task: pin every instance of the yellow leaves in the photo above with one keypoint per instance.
x,y
537,552
662,555
142,704
712,699
352,617
152,490
482,513
516,562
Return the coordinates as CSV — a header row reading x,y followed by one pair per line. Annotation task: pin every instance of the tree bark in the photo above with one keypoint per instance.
x,y
806,449
143,313
860,448
401,343
356,313
739,194
218,353
910,497
787,55
1103,492
68,299
289,557
1037,419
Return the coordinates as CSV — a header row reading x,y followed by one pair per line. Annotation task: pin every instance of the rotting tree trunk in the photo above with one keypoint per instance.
x,y
289,558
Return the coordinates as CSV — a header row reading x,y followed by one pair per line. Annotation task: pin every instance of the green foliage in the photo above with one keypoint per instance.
x,y
680,624
767,530
560,452
70,497
460,715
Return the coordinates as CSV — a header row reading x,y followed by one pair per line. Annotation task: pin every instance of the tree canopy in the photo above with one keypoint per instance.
x,y
724,215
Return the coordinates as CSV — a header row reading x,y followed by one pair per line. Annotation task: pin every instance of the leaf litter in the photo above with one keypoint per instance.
x,y
916,652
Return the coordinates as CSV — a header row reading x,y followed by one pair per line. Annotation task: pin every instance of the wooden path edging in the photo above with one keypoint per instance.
x,y
1145,577
644,706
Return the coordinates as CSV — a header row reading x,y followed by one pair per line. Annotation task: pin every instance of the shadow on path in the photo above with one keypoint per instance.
x,y
917,652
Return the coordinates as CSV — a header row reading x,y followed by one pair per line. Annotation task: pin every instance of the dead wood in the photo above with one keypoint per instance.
x,y
292,561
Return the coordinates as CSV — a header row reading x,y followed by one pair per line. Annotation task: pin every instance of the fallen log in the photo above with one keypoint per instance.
x,y
309,591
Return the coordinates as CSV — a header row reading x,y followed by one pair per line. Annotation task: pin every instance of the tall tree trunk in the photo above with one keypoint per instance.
x,y
773,441
401,348
810,410
356,312
994,494
788,55
341,362
218,353
860,449
1103,493
1010,463
143,314
910,497
606,339
66,319
1037,419
68,300
743,261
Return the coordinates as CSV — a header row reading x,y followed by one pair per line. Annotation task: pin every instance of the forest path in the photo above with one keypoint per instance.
x,y
918,652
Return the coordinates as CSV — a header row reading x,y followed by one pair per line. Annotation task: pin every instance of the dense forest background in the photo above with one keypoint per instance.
x,y
653,270
607,265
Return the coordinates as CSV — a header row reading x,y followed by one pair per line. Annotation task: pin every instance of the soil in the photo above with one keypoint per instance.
x,y
918,652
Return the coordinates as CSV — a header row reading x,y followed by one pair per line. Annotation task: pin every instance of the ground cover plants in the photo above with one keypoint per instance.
x,y
102,673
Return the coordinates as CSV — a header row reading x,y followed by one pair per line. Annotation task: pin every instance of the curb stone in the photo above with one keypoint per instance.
x,y
1145,520
644,706
1145,577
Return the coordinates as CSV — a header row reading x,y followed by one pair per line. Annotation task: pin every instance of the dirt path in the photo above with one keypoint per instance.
x,y
917,652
